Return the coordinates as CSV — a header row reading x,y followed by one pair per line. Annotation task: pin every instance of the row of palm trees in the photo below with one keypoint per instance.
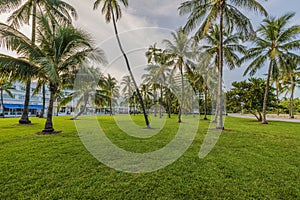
x,y
57,51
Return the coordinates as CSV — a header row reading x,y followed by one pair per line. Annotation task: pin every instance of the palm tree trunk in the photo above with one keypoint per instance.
x,y
128,67
110,106
182,93
81,111
292,98
24,119
49,124
205,103
264,111
44,102
2,104
220,72
160,101
277,95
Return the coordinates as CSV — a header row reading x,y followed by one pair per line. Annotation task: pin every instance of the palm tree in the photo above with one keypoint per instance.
x,y
181,50
206,12
157,71
127,90
275,43
112,11
24,11
67,48
110,90
290,80
5,86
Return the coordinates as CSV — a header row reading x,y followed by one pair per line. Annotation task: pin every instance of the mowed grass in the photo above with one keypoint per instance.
x,y
249,161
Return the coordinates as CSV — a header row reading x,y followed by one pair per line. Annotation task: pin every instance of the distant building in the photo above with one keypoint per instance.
x,y
13,107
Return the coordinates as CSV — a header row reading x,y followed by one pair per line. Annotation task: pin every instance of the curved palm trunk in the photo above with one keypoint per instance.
x,y
44,102
264,111
293,85
49,124
128,68
82,110
24,119
220,72
2,104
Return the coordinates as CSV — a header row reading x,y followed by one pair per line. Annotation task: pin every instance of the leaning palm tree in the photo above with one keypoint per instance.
x,y
22,13
181,50
207,12
112,11
275,44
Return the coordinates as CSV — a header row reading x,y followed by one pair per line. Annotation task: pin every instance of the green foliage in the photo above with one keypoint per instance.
x,y
249,95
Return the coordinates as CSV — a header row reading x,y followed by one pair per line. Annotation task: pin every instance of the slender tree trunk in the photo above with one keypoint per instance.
x,y
110,106
24,119
205,103
44,101
128,67
49,124
82,110
292,97
2,103
160,101
168,105
182,91
264,111
220,72
277,95
155,103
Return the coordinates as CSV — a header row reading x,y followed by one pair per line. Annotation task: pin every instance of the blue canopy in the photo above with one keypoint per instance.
x,y
21,106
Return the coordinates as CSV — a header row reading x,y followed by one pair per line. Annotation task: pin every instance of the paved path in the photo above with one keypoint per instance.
x,y
269,118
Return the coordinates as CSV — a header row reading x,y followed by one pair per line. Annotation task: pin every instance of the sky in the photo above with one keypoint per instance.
x,y
145,22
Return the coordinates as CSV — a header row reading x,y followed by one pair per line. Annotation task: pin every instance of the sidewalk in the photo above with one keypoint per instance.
x,y
271,117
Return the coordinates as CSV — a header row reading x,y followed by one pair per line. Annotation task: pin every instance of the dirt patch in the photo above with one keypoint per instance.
x,y
48,133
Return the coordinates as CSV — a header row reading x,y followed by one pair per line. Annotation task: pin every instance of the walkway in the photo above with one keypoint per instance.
x,y
281,118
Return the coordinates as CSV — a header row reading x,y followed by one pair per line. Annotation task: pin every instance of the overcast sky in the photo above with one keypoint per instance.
x,y
147,21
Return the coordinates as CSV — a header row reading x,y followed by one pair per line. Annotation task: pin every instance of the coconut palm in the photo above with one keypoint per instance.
x,y
157,71
207,12
275,44
290,80
181,50
22,13
112,11
110,90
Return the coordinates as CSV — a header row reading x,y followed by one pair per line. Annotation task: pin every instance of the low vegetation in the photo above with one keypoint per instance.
x,y
250,161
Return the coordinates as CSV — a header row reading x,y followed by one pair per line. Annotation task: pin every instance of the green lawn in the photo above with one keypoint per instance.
x,y
250,161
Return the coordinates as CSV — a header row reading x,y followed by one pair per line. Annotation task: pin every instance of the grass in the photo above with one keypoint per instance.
x,y
251,161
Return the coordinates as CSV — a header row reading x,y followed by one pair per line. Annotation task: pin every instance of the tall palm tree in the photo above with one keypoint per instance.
x,y
110,89
22,13
157,71
181,50
207,12
112,11
5,86
275,43
290,80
